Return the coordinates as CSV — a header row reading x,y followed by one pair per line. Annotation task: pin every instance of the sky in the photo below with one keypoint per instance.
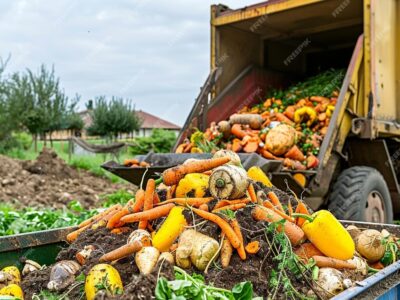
x,y
155,53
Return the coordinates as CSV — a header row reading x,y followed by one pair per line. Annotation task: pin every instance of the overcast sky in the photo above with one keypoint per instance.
x,y
153,52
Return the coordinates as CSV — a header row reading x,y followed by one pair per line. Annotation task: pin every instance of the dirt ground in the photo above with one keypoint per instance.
x,y
49,182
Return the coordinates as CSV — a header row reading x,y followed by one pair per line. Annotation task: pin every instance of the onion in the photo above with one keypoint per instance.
x,y
369,245
354,232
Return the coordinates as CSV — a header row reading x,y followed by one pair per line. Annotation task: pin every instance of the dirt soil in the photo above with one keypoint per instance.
x,y
49,182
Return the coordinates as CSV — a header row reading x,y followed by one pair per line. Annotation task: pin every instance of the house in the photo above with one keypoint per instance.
x,y
150,122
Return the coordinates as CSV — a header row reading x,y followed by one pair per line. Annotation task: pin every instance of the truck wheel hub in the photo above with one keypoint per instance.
x,y
374,210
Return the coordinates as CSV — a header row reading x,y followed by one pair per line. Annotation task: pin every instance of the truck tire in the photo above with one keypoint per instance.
x,y
361,194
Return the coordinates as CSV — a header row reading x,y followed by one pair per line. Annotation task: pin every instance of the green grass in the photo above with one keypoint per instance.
x,y
90,163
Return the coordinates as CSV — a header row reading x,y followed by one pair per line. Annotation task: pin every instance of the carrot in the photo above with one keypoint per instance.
x,y
120,230
188,201
72,236
204,207
329,262
294,233
236,228
96,217
378,265
170,192
236,145
253,247
275,201
148,215
114,221
319,99
252,145
139,200
222,203
226,252
172,176
122,252
301,209
207,172
232,207
307,250
237,131
282,118
129,162
269,205
148,201
225,227
252,193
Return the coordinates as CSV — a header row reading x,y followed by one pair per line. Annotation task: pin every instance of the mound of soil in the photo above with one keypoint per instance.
x,y
49,182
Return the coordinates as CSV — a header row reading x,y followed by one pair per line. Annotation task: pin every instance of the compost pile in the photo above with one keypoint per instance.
x,y
208,229
49,182
289,125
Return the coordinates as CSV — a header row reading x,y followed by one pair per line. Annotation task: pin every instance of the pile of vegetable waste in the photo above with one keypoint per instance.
x,y
208,229
289,125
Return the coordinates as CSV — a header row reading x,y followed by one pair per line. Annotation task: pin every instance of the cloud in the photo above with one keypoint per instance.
x,y
153,52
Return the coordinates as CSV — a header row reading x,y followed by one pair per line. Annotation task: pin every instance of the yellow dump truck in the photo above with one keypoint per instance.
x,y
271,43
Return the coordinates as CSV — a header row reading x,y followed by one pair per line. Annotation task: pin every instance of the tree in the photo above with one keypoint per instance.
x,y
111,118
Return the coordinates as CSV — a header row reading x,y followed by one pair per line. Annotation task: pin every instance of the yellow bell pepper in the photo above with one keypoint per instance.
x,y
192,185
257,174
172,227
300,114
14,272
103,277
329,110
328,235
12,290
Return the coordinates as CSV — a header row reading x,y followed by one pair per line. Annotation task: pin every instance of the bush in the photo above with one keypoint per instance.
x,y
160,141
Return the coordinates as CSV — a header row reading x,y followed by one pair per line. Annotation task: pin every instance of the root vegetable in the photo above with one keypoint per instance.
x,y
166,256
280,139
283,119
94,218
330,262
148,215
330,282
275,200
146,259
294,233
84,254
235,159
295,153
232,207
169,231
236,228
115,220
225,128
254,120
148,202
224,203
269,205
238,132
293,164
196,248
236,145
121,252
225,227
30,266
370,245
62,274
361,265
252,193
301,209
307,250
139,201
172,176
354,232
253,247
103,275
226,253
252,145
196,202
228,182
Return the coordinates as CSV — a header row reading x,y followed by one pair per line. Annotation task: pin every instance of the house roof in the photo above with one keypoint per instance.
x,y
149,121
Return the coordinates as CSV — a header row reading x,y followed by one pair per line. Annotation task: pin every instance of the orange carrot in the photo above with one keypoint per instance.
x,y
120,230
252,145
301,209
156,199
98,216
148,201
236,228
115,219
252,193
129,162
139,200
225,227
237,131
72,236
269,205
294,233
222,203
329,262
307,250
253,247
204,207
275,200
378,265
236,145
282,118
121,252
232,207
148,215
188,201
172,176
207,172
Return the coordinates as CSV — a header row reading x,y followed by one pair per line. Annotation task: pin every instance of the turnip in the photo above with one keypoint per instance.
x,y
361,265
146,259
228,182
370,245
330,282
235,159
